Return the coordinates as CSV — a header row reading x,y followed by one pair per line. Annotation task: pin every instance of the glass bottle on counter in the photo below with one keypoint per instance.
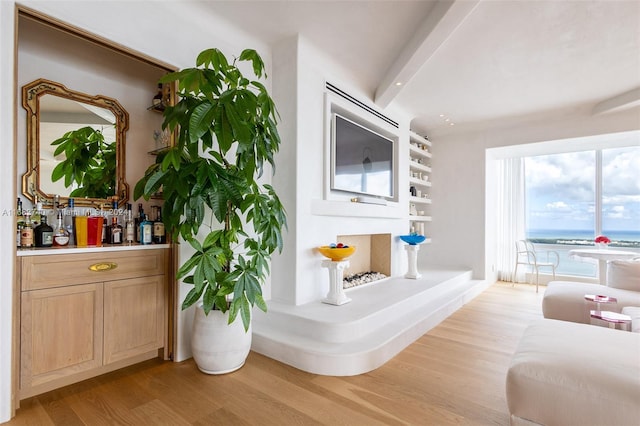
x,y
129,227
35,214
69,214
26,233
60,234
138,221
19,221
115,231
146,231
159,236
43,234
105,227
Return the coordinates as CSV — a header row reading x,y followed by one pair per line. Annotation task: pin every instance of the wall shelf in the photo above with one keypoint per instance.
x,y
420,152
420,200
350,209
415,218
419,182
421,167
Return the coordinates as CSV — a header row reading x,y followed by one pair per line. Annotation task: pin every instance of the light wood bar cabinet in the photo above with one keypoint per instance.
x,y
88,313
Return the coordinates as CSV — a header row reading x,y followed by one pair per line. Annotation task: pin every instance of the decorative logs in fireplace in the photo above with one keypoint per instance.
x,y
361,278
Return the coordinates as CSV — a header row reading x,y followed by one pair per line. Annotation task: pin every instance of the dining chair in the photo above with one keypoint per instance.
x,y
526,255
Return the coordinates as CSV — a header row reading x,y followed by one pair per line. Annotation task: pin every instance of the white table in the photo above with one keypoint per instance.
x,y
603,255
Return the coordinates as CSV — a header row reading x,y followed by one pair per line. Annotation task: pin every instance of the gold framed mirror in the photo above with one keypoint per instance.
x,y
75,146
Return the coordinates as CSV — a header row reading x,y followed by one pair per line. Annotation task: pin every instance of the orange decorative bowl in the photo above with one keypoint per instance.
x,y
336,254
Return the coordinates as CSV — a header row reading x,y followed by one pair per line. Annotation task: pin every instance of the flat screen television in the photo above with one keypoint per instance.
x,y
362,160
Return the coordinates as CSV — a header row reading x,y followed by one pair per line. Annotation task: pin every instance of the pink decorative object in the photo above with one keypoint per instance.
x,y
603,239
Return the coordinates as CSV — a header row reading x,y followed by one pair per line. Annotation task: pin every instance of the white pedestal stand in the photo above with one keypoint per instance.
x,y
336,294
412,251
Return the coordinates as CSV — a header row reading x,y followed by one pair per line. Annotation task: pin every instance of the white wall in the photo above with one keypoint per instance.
x,y
300,85
166,31
460,190
7,200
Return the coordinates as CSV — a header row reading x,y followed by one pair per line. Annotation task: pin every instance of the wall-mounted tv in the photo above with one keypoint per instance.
x,y
362,160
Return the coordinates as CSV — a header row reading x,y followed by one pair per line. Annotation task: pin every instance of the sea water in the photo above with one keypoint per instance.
x,y
562,241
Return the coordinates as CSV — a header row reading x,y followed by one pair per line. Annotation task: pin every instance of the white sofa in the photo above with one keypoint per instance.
x,y
565,373
564,300
568,372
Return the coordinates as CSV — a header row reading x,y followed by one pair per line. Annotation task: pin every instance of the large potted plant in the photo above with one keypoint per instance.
x,y
214,198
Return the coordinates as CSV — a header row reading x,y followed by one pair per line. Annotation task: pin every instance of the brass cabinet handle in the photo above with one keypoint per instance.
x,y
103,266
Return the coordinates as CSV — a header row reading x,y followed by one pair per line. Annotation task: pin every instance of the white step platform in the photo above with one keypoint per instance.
x,y
382,319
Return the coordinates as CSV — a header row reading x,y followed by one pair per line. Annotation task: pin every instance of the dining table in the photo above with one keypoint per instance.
x,y
602,255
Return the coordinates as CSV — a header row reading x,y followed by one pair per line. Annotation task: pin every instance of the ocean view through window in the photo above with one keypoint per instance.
x,y
572,197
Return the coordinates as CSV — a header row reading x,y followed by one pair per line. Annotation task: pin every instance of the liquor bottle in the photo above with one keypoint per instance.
x,y
60,234
56,204
158,103
43,234
158,228
115,231
105,227
19,221
138,221
26,232
35,214
129,227
69,224
146,231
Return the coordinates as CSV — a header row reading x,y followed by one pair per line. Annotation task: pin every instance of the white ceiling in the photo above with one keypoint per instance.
x,y
471,60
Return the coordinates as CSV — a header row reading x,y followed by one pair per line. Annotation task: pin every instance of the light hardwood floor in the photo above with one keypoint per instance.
x,y
454,374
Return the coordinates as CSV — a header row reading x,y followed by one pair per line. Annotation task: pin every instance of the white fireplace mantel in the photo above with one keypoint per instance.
x,y
353,209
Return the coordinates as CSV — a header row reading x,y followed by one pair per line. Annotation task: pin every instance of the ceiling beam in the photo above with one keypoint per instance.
x,y
441,22
622,101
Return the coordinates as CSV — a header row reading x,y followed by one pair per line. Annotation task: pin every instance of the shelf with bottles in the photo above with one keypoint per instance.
x,y
417,212
417,228
161,99
419,146
420,167
416,151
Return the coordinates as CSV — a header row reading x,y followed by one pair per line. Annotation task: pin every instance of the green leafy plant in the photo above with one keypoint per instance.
x,y
90,162
226,133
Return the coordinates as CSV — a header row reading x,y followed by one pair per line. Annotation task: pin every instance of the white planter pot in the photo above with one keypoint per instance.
x,y
218,347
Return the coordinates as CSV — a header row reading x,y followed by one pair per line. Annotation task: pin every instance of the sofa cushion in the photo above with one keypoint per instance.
x,y
574,374
634,313
624,274
564,300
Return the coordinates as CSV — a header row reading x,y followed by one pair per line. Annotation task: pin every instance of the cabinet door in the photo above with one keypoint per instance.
x,y
61,333
133,317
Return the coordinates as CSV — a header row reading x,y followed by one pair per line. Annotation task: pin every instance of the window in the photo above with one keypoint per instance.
x,y
572,197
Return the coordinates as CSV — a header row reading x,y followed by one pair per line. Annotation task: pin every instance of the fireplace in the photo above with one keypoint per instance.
x,y
371,261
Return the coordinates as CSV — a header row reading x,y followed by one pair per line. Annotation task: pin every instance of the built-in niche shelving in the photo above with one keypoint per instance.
x,y
419,182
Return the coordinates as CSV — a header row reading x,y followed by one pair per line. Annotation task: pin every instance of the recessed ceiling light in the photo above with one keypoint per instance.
x,y
451,124
447,119
398,83
441,115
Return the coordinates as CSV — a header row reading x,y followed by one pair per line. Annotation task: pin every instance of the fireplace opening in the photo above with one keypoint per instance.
x,y
371,261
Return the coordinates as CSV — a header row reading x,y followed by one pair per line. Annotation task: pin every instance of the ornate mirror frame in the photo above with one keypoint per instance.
x,y
31,187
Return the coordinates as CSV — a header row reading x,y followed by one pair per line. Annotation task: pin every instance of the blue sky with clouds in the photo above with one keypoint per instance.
x,y
561,190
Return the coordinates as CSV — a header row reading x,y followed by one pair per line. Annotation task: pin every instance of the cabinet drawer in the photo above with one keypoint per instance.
x,y
61,270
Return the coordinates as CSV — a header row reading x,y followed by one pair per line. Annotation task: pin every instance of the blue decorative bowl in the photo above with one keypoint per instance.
x,y
413,240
